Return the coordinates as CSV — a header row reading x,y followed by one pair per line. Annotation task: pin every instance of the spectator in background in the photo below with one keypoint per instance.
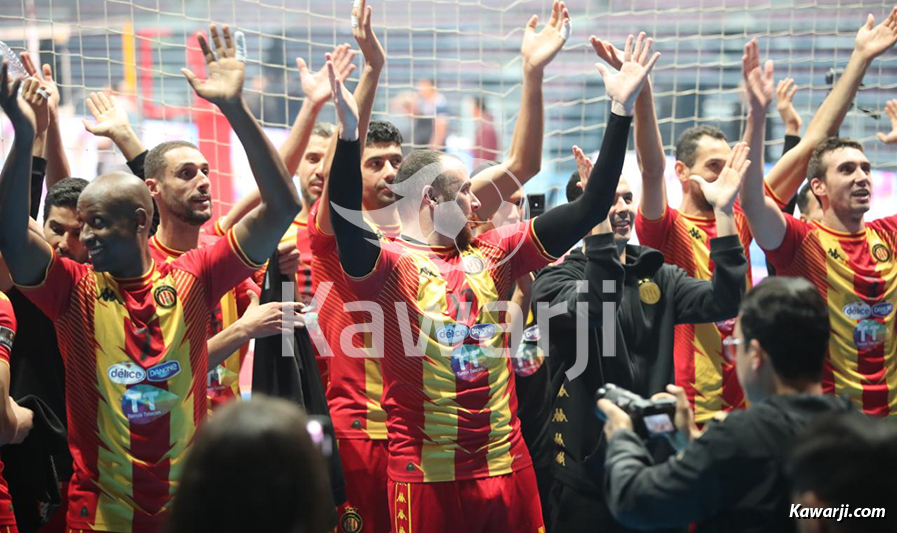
x,y
485,140
430,123
732,478
831,466
253,467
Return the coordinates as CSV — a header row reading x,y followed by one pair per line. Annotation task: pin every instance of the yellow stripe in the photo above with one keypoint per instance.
x,y
539,244
238,250
373,384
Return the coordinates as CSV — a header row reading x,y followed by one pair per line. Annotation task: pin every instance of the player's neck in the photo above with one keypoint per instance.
x,y
138,268
303,213
177,235
383,216
694,208
848,224
791,388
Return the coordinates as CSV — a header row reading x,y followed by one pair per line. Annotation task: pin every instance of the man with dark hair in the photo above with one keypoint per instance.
x,y
830,482
683,235
132,330
61,227
851,262
732,476
456,456
808,204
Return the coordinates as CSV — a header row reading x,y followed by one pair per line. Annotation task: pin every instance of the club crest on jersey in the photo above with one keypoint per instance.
x,y
483,332
166,297
452,334
351,521
473,264
142,404
881,253
857,310
164,371
126,373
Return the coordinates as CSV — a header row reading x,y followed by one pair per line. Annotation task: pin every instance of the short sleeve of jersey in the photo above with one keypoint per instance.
x,y
654,233
53,294
772,194
887,224
320,242
7,327
220,266
795,232
521,246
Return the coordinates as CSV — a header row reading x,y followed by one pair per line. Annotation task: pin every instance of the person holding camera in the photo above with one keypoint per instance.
x,y
732,476
647,299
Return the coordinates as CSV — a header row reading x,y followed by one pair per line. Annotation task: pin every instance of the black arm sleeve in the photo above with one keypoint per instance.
x,y
563,284
38,171
136,165
562,227
355,241
698,301
790,142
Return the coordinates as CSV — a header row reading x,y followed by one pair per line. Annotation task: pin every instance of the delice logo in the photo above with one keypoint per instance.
x,y
452,334
126,373
164,371
857,310
482,332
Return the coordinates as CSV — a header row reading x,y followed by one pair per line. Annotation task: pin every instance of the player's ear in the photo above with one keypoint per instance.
x,y
430,195
817,185
153,185
682,171
142,219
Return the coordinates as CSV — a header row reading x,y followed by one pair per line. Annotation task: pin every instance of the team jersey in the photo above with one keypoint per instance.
x,y
709,380
223,381
7,336
356,383
136,364
857,276
449,389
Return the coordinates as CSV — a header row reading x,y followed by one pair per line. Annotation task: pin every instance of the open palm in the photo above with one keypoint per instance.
x,y
874,41
891,111
624,86
721,194
225,73
538,49
316,85
758,82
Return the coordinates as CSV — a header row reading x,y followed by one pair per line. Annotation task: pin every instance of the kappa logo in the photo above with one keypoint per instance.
x,y
108,295
696,234
427,272
834,254
166,297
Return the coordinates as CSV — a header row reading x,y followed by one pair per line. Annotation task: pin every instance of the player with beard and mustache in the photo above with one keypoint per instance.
x,y
650,298
456,455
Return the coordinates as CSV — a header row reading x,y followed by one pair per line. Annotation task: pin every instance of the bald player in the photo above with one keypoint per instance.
x,y
132,331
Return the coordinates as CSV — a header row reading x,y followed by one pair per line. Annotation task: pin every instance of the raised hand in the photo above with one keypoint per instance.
x,y
758,83
784,102
722,192
538,49
316,85
20,114
346,107
370,46
611,55
871,41
46,78
624,86
225,73
891,110
111,120
35,94
583,165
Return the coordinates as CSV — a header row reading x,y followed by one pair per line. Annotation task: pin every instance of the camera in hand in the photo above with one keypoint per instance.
x,y
650,418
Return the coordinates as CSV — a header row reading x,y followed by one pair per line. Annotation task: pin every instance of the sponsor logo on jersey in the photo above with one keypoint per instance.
x,y
164,371
483,332
452,334
531,334
857,310
882,309
126,373
466,362
869,335
142,404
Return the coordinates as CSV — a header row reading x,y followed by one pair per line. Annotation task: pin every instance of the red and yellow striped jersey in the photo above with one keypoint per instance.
x,y
7,336
223,382
135,370
356,384
708,379
857,276
449,389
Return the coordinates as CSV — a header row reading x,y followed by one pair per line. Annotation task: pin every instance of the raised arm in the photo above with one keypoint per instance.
x,y
111,121
259,231
27,255
764,217
54,152
648,142
561,227
524,161
789,172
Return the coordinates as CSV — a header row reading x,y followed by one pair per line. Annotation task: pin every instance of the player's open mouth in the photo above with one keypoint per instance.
x,y
95,251
204,201
862,193
621,226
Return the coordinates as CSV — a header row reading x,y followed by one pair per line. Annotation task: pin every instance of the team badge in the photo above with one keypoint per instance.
x,y
351,521
166,297
648,291
473,264
881,253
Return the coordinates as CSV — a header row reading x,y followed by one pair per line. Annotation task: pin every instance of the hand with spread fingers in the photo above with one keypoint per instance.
x,y
35,94
225,73
539,48
611,55
891,111
374,54
872,41
316,85
785,104
624,86
759,83
346,107
722,192
111,120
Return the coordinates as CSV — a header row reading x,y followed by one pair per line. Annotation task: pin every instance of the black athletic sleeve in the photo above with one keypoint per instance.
x,y
358,251
698,301
38,171
562,227
790,142
136,165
